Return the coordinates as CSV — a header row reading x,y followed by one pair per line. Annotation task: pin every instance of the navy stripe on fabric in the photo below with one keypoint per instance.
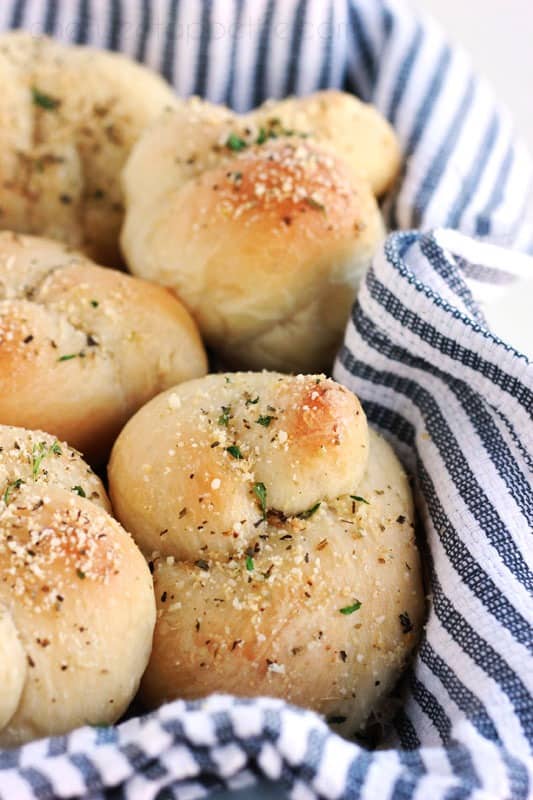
x,y
51,17
57,745
237,32
518,777
463,766
356,775
429,99
431,708
155,772
324,80
201,755
441,264
9,759
298,27
223,726
404,74
17,15
144,31
458,755
167,63
83,23
105,735
41,786
483,222
528,459
362,48
91,775
271,725
429,183
351,85
473,179
407,782
314,751
405,730
461,696
423,115
136,756
262,62
115,24
382,416
484,274
202,61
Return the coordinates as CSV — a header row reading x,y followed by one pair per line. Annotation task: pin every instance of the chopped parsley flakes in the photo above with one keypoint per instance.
x,y
41,451
234,451
224,417
309,512
45,101
359,499
235,143
350,609
11,486
264,420
261,494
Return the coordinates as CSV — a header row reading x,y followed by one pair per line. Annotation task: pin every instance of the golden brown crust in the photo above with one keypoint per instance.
x,y
68,119
183,471
264,236
285,558
82,347
75,593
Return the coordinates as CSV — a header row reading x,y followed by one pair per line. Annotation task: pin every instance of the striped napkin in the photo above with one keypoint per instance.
x,y
455,401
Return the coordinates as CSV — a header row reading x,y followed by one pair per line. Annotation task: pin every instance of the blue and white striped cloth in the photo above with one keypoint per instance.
x,y
456,402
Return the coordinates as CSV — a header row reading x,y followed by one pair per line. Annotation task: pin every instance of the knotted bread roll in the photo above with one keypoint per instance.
x,y
68,119
83,347
280,531
76,601
263,228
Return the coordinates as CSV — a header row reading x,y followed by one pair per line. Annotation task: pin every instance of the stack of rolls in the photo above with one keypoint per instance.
x,y
278,528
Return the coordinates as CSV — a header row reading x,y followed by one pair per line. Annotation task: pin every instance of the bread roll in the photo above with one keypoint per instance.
x,y
76,601
262,232
354,131
83,347
68,119
281,535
